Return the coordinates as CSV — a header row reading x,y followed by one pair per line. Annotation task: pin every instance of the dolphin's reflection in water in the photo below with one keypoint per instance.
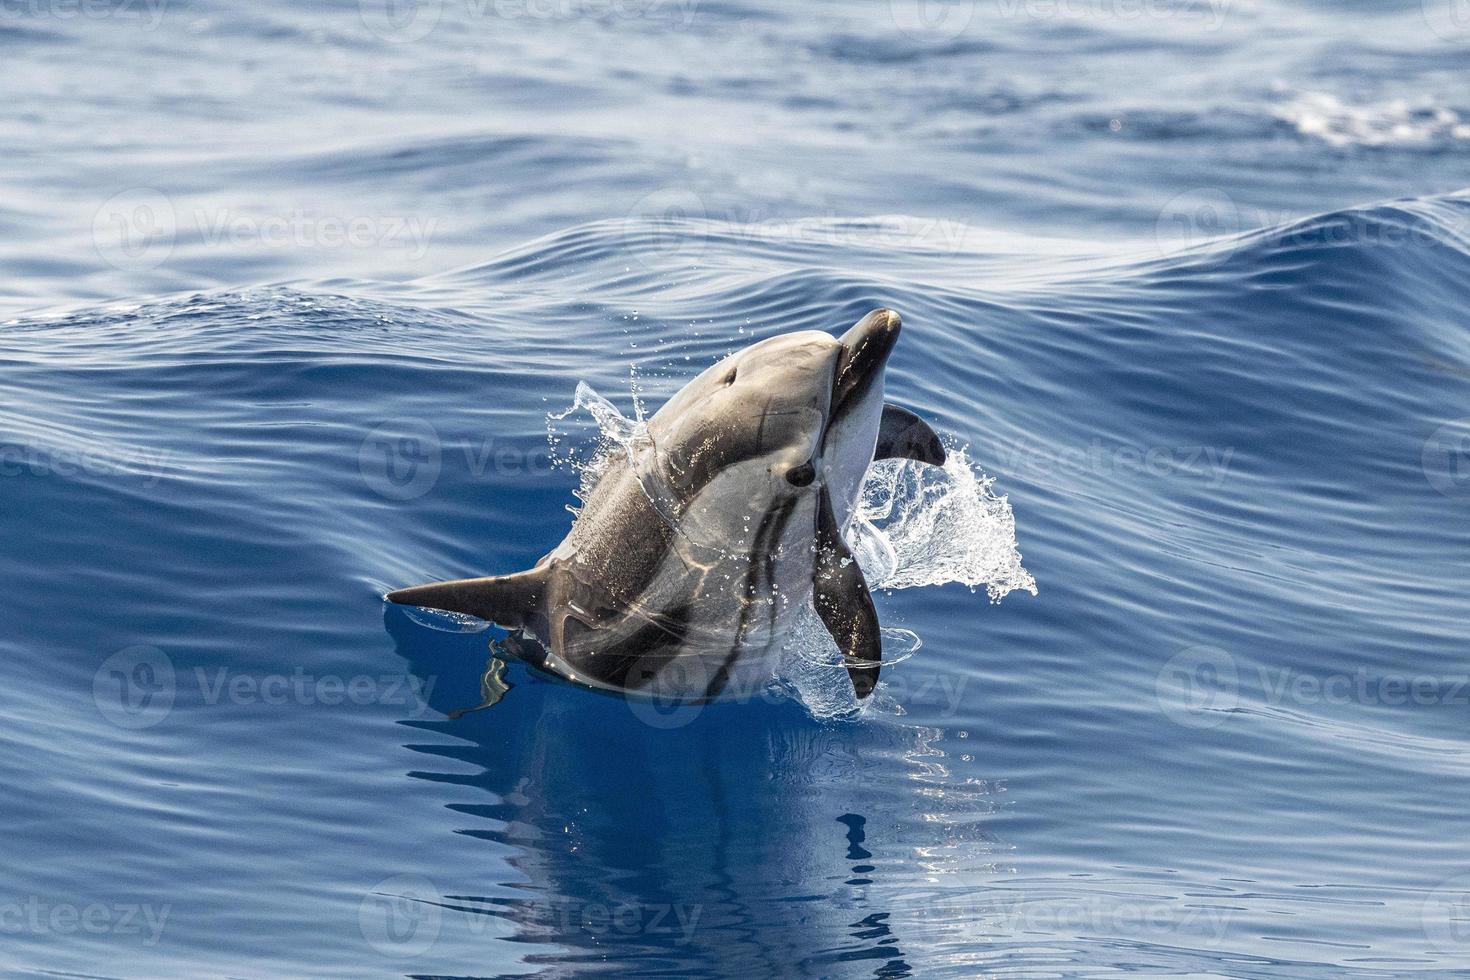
x,y
873,927
734,839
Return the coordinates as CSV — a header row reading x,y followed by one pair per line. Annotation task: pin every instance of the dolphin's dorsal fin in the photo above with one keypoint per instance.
x,y
509,600
903,435
840,594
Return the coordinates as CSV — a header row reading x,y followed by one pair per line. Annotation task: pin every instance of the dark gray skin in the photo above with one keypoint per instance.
x,y
696,550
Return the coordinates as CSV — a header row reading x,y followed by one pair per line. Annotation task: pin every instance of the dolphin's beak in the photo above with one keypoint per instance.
x,y
866,347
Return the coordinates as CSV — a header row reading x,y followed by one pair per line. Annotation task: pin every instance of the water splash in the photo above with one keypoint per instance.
x,y
914,525
943,524
586,435
444,621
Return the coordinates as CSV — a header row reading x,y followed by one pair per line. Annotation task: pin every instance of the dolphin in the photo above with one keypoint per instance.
x,y
698,548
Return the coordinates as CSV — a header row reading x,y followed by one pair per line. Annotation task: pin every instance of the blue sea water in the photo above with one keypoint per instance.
x,y
290,291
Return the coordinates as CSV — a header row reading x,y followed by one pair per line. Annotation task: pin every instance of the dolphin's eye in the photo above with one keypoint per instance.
x,y
730,378
801,476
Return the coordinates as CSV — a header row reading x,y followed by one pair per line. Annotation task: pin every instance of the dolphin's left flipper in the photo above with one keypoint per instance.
x,y
844,603
510,600
903,435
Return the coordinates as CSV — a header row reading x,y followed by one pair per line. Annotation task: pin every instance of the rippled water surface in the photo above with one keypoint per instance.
x,y
290,291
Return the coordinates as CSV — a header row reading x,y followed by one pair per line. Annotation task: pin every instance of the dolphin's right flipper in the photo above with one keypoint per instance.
x,y
903,435
509,600
842,600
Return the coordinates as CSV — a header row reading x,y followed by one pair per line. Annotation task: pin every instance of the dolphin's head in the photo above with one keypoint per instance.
x,y
780,419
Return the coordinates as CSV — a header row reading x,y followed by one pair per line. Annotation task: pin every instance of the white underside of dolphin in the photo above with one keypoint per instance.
x,y
696,551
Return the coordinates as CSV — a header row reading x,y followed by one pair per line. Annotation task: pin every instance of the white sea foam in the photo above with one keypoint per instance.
x,y
1397,122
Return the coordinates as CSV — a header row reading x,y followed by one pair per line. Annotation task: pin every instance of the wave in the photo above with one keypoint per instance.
x,y
1243,452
